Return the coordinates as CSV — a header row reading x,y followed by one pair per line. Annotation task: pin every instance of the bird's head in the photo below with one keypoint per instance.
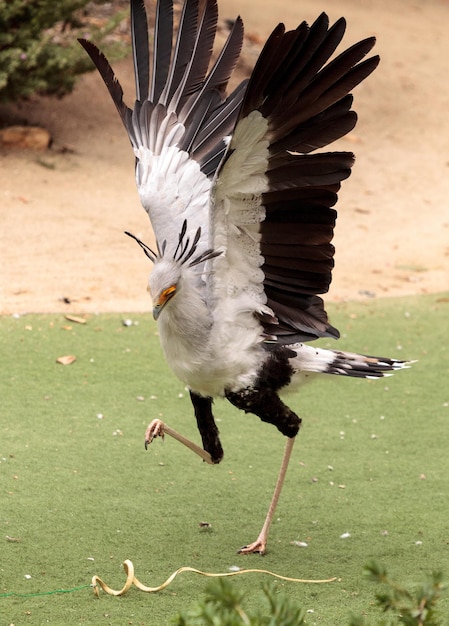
x,y
166,277
164,282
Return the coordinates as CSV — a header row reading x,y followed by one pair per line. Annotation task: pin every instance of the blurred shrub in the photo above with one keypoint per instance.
x,y
39,53
223,605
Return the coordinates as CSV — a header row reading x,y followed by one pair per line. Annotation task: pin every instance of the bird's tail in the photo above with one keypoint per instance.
x,y
319,360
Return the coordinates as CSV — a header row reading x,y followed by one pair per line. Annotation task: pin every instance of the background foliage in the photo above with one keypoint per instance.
x,y
39,52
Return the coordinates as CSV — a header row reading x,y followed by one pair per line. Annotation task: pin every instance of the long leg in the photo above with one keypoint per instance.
x,y
213,452
261,542
157,428
266,404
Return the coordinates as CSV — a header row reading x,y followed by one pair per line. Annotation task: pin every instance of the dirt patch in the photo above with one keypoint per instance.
x,y
64,211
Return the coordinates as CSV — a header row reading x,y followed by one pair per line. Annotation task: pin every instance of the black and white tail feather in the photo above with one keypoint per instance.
x,y
241,200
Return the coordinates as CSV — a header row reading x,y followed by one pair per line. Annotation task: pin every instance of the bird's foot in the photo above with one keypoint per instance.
x,y
257,547
155,429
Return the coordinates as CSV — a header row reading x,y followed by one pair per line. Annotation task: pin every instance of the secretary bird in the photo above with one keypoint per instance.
x,y
241,203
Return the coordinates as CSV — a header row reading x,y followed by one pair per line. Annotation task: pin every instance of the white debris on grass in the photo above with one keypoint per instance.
x,y
299,544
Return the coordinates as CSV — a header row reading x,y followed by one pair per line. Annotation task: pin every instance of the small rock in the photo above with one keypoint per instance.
x,y
30,137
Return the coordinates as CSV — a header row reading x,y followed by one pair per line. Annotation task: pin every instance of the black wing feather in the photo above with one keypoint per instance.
x,y
162,46
109,78
201,54
305,98
219,75
182,53
181,89
140,47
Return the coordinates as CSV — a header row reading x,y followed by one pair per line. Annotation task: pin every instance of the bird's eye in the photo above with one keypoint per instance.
x,y
168,293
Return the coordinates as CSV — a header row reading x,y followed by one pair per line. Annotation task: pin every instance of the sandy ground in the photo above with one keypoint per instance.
x,y
63,212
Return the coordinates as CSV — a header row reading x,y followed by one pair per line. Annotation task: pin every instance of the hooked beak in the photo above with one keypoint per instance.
x,y
157,310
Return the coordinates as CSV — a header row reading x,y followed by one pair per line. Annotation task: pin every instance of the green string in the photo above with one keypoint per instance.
x,y
42,593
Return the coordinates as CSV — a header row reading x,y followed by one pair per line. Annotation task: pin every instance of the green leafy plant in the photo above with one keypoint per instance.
x,y
39,52
415,606
223,606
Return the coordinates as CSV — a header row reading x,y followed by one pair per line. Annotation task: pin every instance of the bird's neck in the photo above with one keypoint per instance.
x,y
186,317
184,329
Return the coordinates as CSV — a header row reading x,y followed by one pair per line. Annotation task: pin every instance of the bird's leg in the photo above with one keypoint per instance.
x,y
259,546
157,428
213,452
206,425
266,404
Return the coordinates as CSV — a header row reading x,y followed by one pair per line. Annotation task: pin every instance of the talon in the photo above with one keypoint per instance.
x,y
258,547
154,429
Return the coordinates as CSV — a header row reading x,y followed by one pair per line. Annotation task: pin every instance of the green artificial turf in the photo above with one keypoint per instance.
x,y
79,494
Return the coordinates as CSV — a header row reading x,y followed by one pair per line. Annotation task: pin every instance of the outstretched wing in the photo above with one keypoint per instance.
x,y
273,204
245,169
181,115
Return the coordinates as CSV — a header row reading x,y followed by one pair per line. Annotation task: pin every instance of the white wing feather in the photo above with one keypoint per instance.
x,y
172,188
236,212
235,292
211,335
